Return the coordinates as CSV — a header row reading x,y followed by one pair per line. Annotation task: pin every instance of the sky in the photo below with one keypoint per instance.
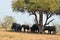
x,y
6,10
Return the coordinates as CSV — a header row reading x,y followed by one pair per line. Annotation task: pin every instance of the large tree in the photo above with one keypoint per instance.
x,y
42,6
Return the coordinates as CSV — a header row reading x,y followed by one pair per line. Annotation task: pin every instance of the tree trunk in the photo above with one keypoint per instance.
x,y
41,22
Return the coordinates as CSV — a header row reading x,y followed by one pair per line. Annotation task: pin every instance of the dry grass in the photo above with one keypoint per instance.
x,y
8,35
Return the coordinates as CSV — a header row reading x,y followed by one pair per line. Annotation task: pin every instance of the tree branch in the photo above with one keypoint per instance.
x,y
50,21
33,13
50,15
46,19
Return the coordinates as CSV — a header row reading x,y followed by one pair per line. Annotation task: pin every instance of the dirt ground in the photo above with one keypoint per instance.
x,y
8,35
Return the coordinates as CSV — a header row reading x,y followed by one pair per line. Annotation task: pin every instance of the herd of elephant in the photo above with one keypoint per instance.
x,y
33,29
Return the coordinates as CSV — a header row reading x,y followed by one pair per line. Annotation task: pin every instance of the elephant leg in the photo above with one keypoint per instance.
x,y
24,29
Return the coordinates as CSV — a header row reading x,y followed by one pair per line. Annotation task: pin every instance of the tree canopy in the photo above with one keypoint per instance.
x,y
20,5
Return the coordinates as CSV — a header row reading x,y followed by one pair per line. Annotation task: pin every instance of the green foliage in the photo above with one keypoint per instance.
x,y
18,5
57,11
35,5
26,1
